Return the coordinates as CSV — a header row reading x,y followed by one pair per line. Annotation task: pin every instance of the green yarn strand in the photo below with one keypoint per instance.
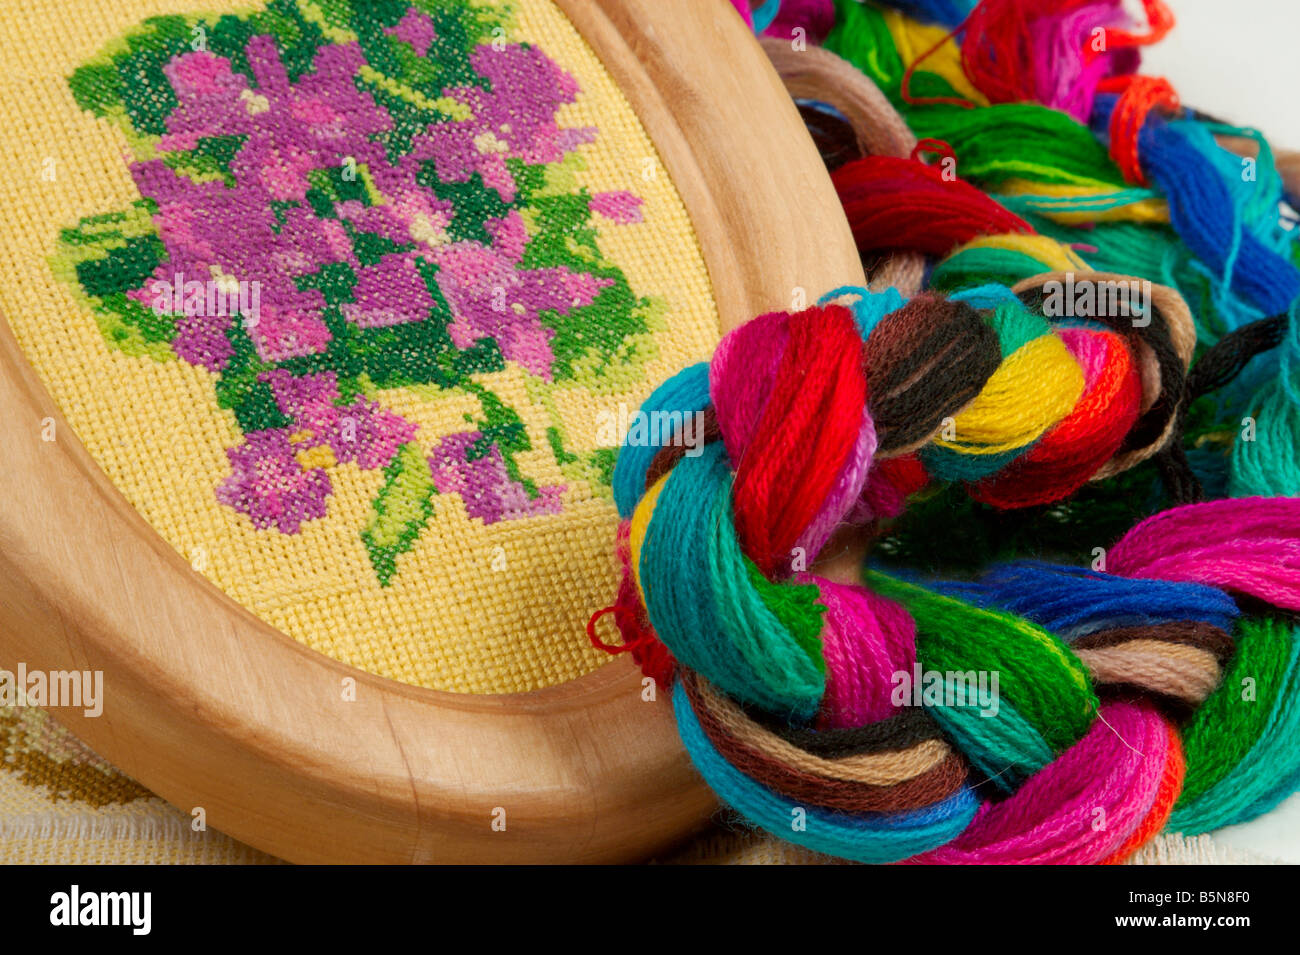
x,y
1243,744
1038,675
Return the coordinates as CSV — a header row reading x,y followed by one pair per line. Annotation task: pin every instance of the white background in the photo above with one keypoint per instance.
x,y
1238,60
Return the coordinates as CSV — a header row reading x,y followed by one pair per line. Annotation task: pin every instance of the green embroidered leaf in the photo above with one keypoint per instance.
x,y
241,387
504,430
402,509
100,260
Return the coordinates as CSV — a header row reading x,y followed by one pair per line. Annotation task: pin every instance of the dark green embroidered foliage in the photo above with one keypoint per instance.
x,y
102,258
243,390
473,204
123,266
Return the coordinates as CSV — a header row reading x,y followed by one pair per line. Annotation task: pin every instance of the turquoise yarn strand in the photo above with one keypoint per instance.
x,y
750,654
687,392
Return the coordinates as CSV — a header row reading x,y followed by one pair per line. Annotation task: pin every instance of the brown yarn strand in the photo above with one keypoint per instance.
x,y
933,784
880,769
817,73
928,362
1180,672
1191,633
1182,660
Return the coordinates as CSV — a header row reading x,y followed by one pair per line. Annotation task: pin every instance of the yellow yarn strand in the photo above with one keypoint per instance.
x,y
1055,256
913,40
1037,386
640,524
1057,207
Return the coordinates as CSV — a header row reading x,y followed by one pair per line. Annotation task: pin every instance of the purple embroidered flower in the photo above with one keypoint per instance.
x,y
363,432
290,131
513,119
390,292
369,434
378,189
271,486
492,299
481,479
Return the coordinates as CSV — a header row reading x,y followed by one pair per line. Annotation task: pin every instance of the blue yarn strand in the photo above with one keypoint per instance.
x,y
1073,602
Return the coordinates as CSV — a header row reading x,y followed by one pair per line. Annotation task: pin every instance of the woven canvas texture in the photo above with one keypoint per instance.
x,y
347,299
62,804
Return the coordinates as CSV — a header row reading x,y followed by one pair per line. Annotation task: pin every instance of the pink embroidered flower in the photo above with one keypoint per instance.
x,y
467,465
364,431
622,207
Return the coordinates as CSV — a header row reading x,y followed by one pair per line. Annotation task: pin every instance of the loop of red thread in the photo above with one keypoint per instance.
x,y
896,204
639,637
1160,20
647,650
1138,97
936,147
600,644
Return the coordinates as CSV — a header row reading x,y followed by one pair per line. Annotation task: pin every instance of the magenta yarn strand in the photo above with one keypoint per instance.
x,y
1079,809
1248,545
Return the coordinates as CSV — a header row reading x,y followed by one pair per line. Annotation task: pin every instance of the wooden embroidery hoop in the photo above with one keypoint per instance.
x,y
210,707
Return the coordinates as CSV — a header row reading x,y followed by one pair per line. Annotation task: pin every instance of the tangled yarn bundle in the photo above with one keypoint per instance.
x,y
786,692
1039,712
1085,164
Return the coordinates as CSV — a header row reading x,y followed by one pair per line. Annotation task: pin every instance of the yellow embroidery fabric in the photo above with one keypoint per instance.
x,y
473,605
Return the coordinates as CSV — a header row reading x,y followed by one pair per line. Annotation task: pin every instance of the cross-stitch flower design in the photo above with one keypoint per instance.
x,y
339,199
